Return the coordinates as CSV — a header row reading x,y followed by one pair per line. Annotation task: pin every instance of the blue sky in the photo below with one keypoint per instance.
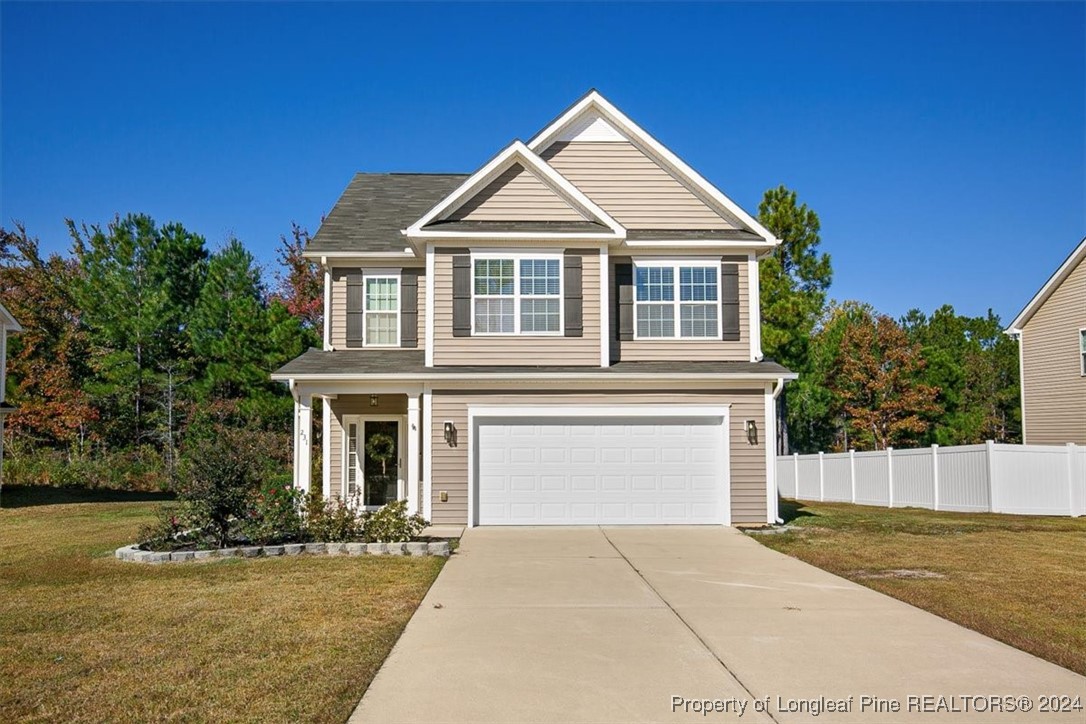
x,y
941,144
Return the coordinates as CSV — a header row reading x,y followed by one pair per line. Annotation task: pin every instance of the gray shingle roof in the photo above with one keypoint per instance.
x,y
376,206
382,362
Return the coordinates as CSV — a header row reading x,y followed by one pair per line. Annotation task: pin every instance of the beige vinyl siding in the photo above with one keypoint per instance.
x,y
663,350
1055,390
354,405
516,349
339,303
632,187
450,464
516,195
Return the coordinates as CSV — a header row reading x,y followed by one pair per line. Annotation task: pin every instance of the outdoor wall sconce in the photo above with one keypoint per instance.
x,y
450,433
373,400
752,431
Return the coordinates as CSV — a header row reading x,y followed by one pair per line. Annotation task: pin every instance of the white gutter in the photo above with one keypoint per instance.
x,y
452,376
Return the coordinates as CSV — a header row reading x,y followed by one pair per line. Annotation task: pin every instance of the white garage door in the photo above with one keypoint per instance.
x,y
569,471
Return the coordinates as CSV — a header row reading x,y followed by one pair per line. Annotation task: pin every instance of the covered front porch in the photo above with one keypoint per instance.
x,y
372,446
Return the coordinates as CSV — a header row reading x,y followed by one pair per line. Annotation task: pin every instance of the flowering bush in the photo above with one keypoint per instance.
x,y
332,520
392,524
274,514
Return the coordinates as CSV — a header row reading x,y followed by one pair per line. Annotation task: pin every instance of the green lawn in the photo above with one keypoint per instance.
x,y
84,637
1019,579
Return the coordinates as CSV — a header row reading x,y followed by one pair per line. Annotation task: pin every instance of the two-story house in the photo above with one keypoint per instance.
x,y
569,335
1051,333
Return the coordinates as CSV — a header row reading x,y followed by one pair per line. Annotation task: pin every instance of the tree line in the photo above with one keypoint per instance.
x,y
869,381
137,338
142,335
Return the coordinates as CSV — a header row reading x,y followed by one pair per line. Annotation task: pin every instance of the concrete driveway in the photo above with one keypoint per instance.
x,y
639,624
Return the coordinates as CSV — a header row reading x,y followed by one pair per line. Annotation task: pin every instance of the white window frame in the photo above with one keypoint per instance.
x,y
675,265
366,277
1081,351
517,257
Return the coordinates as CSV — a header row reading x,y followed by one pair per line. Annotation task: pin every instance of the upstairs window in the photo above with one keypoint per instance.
x,y
381,311
677,301
517,295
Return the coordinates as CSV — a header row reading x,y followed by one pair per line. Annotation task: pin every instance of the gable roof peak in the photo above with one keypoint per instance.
x,y
593,101
517,153
1077,256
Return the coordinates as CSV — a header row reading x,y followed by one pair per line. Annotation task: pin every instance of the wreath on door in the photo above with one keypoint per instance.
x,y
382,448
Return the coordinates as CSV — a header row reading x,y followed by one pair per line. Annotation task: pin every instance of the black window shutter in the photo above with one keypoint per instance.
x,y
409,308
729,298
624,298
572,292
355,299
461,295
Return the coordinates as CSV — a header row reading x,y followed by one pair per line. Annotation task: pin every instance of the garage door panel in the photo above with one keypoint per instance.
x,y
600,471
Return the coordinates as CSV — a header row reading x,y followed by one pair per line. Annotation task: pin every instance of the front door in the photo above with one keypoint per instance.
x,y
373,451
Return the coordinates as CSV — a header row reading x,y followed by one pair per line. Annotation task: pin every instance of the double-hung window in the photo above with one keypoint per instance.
x,y
381,311
517,294
677,300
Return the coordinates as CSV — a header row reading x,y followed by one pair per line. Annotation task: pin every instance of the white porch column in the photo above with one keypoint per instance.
x,y
413,436
303,440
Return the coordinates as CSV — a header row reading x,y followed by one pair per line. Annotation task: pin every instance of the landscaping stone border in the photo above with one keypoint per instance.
x,y
133,554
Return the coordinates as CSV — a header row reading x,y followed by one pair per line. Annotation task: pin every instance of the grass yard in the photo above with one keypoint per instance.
x,y
84,637
1019,579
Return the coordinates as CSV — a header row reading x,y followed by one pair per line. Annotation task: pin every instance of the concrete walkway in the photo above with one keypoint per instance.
x,y
615,624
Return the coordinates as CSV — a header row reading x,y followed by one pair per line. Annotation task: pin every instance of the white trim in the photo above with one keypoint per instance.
x,y
368,275
514,153
427,453
605,307
517,256
1069,264
693,244
770,423
342,255
412,432
1081,351
640,411
326,447
594,101
10,323
430,305
327,305
754,304
555,236
590,374
1020,335
676,302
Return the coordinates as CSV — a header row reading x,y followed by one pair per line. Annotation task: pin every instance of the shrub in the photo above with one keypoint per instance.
x,y
333,520
220,472
138,469
392,524
274,514
176,526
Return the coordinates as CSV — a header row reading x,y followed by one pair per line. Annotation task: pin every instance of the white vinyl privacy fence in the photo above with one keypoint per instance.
x,y
997,478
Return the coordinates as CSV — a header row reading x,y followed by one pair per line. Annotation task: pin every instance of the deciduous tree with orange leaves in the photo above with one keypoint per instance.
x,y
876,377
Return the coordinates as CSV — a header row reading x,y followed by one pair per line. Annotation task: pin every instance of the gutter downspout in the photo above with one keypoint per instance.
x,y
777,389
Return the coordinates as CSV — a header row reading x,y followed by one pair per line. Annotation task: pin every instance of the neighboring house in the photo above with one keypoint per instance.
x,y
1051,333
8,325
569,335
